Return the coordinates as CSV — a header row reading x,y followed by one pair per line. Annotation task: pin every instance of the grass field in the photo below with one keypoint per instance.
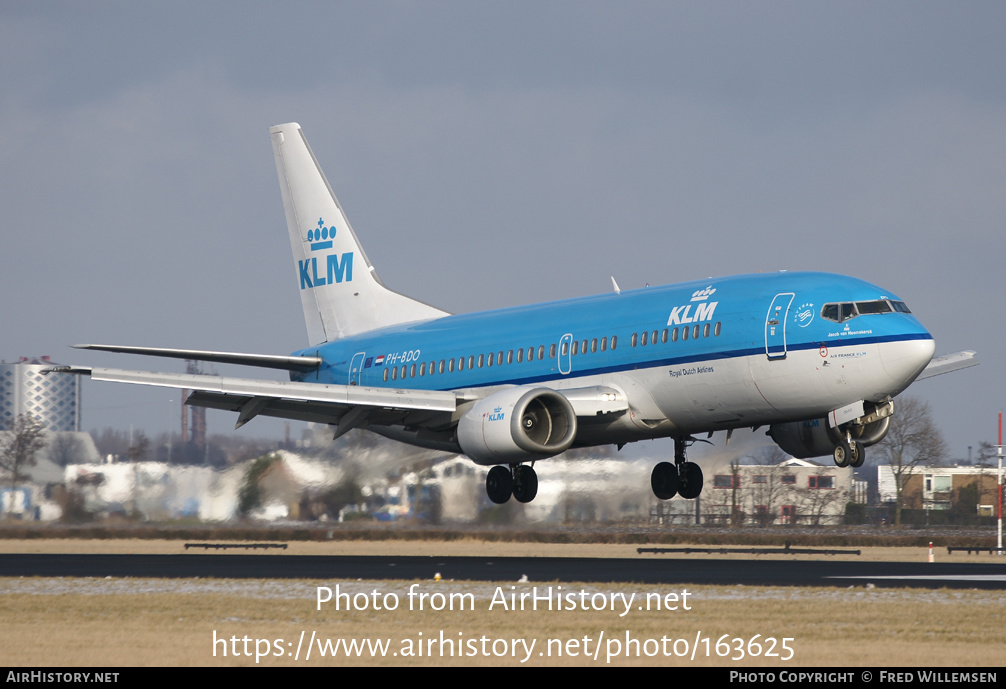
x,y
127,622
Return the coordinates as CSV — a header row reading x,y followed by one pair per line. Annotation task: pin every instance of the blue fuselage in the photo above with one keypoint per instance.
x,y
720,353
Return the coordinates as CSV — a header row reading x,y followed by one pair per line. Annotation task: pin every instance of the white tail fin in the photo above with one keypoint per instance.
x,y
339,288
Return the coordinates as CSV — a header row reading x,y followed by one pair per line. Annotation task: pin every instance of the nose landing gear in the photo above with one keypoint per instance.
x,y
849,452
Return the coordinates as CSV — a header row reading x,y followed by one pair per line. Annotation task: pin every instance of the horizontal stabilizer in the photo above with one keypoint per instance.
x,y
287,363
948,363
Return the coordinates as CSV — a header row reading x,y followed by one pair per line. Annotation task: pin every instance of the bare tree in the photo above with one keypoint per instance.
x,y
18,447
912,441
766,487
65,448
138,450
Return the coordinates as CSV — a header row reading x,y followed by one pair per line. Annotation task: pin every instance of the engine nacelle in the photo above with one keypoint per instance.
x,y
815,438
517,425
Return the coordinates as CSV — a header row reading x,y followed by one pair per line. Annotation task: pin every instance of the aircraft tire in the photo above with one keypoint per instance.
x,y
525,485
499,484
843,454
689,480
664,480
858,454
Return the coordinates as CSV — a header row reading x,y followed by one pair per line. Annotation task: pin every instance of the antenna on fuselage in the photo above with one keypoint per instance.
x,y
614,285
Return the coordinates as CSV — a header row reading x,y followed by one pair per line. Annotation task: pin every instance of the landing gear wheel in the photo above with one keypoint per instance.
x,y
664,480
499,484
525,483
858,455
843,454
689,480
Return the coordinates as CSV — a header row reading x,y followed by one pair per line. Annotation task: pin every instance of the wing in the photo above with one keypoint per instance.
x,y
344,406
948,363
289,363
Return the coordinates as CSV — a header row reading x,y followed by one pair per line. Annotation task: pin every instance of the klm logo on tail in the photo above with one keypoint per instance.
x,y
335,268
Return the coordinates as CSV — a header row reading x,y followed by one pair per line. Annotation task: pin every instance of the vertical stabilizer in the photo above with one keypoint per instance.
x,y
339,289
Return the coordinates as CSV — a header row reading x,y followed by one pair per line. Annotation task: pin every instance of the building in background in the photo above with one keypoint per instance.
x,y
53,398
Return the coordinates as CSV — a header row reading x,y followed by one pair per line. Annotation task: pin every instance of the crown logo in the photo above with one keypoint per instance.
x,y
703,294
321,237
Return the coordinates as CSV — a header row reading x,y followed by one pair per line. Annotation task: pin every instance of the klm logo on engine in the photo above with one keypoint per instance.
x,y
335,268
497,414
704,309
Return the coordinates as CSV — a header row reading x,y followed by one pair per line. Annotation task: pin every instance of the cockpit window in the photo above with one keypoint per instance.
x,y
848,310
839,312
867,307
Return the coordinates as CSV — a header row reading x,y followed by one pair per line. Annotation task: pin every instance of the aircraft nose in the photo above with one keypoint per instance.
x,y
905,359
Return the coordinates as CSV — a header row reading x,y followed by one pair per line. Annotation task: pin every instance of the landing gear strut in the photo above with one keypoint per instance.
x,y
518,480
682,478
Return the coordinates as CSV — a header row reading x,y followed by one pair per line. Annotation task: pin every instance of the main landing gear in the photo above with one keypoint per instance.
x,y
518,480
682,478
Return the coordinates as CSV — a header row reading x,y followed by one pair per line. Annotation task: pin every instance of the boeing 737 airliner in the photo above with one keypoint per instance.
x,y
817,358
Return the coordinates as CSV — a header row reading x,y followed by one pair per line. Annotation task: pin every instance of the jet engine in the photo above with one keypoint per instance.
x,y
815,438
519,424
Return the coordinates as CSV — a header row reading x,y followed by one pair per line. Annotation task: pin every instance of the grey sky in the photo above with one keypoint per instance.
x,y
492,154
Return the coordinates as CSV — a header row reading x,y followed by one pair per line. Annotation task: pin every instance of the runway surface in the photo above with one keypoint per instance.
x,y
642,570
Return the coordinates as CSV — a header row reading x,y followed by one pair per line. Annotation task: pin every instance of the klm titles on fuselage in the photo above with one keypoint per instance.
x,y
335,267
704,309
